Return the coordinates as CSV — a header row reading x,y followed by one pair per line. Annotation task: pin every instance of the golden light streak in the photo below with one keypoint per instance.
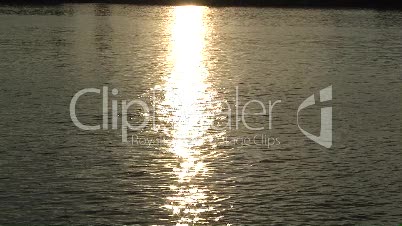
x,y
188,110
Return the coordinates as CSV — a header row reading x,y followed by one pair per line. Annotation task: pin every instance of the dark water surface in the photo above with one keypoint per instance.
x,y
187,63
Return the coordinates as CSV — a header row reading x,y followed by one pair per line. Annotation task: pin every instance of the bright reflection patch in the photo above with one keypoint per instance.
x,y
187,108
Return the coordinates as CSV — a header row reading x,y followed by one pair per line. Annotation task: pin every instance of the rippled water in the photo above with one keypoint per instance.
x,y
196,162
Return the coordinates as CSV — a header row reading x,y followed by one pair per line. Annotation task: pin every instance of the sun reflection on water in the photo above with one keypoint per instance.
x,y
188,109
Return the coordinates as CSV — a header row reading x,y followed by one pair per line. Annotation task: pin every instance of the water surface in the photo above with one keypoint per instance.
x,y
187,63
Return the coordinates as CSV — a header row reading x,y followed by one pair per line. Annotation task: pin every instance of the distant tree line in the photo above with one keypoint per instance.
x,y
389,4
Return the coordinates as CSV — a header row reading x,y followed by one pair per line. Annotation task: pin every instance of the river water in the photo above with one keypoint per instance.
x,y
214,135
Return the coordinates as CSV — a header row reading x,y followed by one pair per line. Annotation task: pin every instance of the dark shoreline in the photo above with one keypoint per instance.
x,y
371,4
